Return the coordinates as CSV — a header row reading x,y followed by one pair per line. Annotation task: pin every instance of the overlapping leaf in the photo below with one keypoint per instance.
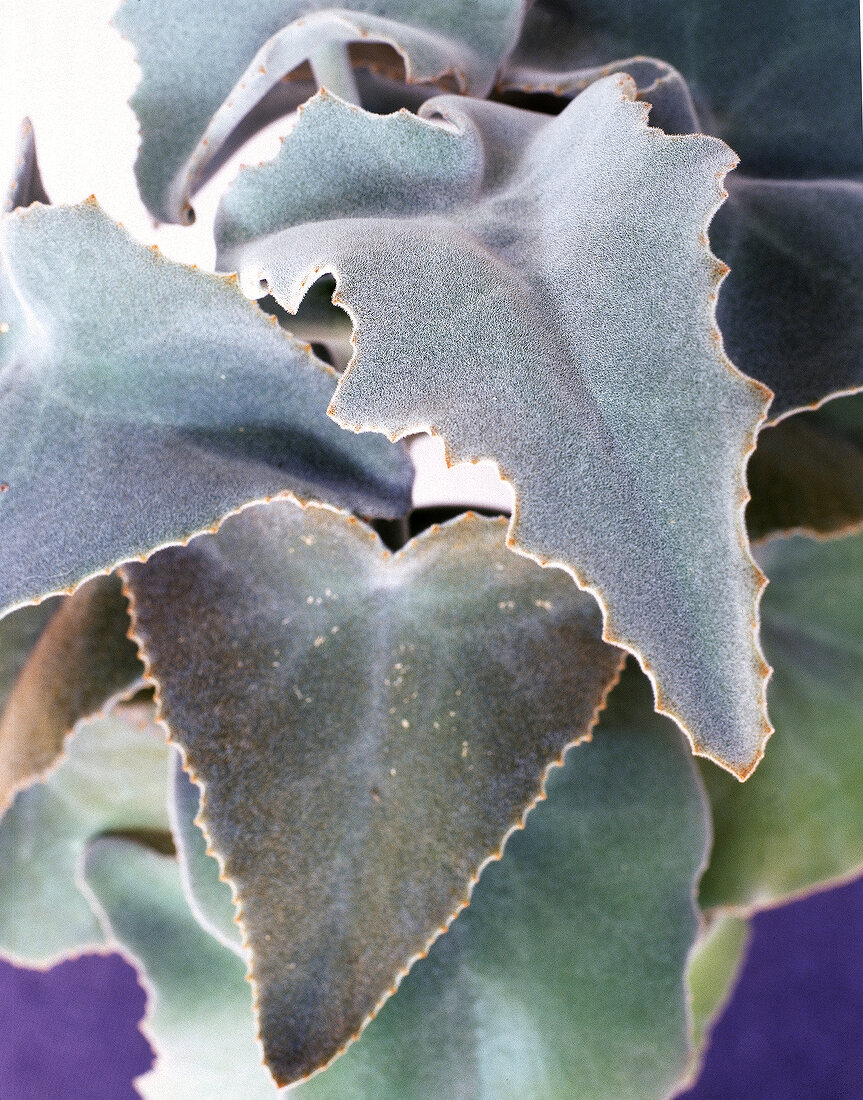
x,y
367,729
208,895
564,977
199,1017
61,661
780,82
714,966
796,823
539,291
144,401
807,473
112,779
790,314
206,63
790,310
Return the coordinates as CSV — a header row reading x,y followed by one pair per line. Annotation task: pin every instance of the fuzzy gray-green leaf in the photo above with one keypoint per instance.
x,y
539,291
779,81
207,63
367,728
564,977
146,400
113,778
794,825
791,310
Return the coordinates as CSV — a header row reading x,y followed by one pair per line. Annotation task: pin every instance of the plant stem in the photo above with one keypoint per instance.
x,y
331,68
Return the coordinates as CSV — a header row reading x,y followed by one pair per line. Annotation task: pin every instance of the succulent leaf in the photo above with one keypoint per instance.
x,y
790,828
791,309
199,1016
146,401
208,895
714,966
207,63
62,661
780,83
366,729
111,779
564,977
807,473
539,291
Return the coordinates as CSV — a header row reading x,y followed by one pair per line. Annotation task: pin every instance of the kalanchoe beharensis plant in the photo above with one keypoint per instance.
x,y
419,823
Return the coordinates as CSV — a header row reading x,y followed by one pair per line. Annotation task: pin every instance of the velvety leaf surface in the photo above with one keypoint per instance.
x,y
714,965
68,657
779,81
199,1015
206,63
539,291
796,823
564,977
791,310
145,402
367,728
112,778
209,897
807,473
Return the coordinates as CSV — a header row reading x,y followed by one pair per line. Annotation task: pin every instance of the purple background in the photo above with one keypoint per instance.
x,y
793,1029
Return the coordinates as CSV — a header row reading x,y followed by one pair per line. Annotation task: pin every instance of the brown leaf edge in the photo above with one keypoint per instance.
x,y
389,556
291,302
229,285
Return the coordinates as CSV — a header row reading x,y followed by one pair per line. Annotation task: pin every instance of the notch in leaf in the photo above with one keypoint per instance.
x,y
539,291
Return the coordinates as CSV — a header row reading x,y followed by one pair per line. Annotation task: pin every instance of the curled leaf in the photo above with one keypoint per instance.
x,y
199,1014
366,729
539,291
207,63
143,401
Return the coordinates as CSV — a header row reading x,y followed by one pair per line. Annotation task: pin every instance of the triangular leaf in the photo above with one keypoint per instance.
x,y
564,977
207,63
539,291
111,779
144,402
366,729
795,825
